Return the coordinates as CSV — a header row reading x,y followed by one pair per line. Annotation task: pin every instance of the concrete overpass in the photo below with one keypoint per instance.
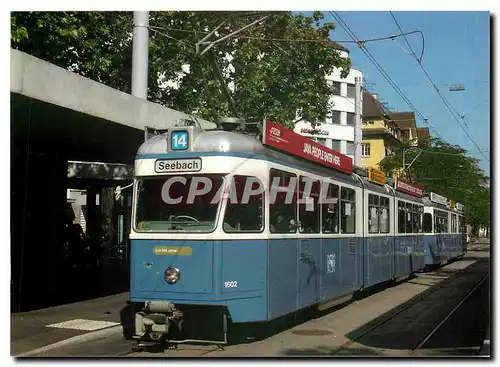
x,y
58,116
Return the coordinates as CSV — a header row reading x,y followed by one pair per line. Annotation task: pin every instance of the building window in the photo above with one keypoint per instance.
x,y
350,119
365,149
351,91
336,88
321,141
336,117
349,148
336,145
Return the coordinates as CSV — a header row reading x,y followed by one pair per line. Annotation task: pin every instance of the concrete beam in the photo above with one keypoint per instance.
x,y
100,171
38,79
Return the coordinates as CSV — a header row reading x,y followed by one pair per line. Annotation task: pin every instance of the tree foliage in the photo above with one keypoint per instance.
x,y
447,170
272,79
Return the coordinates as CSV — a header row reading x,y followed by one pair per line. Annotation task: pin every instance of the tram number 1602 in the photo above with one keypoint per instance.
x,y
231,284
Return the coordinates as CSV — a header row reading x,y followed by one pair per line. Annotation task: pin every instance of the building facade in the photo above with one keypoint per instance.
x,y
380,133
337,131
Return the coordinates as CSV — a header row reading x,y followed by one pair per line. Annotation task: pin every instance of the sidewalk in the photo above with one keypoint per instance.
x,y
40,328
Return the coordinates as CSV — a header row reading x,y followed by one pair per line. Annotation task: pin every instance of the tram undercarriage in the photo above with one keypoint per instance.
x,y
164,322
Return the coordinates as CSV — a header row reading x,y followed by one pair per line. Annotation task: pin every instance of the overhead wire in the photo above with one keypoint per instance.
x,y
448,105
377,65
376,39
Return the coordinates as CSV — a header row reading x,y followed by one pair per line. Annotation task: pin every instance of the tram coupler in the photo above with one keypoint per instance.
x,y
156,320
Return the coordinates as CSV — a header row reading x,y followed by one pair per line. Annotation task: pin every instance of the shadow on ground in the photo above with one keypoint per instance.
x,y
324,350
394,335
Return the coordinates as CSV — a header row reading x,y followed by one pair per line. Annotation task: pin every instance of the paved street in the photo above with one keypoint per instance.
x,y
412,308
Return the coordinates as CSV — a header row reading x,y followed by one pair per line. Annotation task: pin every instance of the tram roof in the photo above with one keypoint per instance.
x,y
229,143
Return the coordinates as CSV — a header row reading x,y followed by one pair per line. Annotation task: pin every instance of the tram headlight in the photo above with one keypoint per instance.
x,y
172,275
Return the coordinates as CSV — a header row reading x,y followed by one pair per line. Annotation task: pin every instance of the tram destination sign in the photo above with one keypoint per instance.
x,y
288,141
438,199
409,188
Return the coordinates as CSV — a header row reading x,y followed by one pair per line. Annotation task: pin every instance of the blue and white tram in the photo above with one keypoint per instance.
x,y
442,226
222,231
409,239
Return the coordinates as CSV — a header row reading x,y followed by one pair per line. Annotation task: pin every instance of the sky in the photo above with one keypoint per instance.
x,y
457,51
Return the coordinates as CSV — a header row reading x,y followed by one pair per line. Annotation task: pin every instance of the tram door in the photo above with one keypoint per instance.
x,y
308,269
309,254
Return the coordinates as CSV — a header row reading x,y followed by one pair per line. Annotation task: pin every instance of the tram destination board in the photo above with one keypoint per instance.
x,y
288,141
409,188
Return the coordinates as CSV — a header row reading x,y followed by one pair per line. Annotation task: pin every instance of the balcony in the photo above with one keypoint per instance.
x,y
379,127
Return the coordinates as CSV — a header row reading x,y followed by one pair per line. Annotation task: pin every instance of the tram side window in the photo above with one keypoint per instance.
x,y
427,223
330,211
440,221
347,210
453,223
283,212
421,216
437,222
446,228
462,228
244,210
401,217
409,217
309,213
384,215
373,213
416,219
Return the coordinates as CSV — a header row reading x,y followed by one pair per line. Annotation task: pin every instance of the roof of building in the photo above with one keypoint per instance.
x,y
405,120
338,46
371,107
423,133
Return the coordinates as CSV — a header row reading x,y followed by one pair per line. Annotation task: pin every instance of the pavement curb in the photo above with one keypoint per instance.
x,y
74,340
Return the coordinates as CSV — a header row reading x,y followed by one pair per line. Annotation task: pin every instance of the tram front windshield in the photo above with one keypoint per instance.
x,y
187,203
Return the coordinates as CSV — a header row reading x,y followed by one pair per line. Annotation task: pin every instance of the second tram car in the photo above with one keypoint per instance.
x,y
444,227
228,228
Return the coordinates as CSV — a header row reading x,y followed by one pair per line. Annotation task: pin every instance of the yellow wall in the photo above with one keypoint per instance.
x,y
377,152
374,125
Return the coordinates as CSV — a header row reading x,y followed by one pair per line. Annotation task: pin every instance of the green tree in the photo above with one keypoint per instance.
x,y
272,79
447,170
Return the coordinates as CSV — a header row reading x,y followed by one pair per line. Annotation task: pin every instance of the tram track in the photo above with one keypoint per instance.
x,y
437,327
375,326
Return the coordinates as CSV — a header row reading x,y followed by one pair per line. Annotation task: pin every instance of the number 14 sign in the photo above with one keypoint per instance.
x,y
179,140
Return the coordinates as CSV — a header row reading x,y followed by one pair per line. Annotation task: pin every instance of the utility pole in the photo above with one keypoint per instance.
x,y
140,54
357,122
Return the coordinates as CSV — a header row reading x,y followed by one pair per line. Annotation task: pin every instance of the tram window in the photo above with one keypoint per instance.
x,y
416,219
309,212
330,211
446,228
348,210
169,204
283,212
437,222
401,217
373,213
245,212
384,215
427,223
453,223
409,217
